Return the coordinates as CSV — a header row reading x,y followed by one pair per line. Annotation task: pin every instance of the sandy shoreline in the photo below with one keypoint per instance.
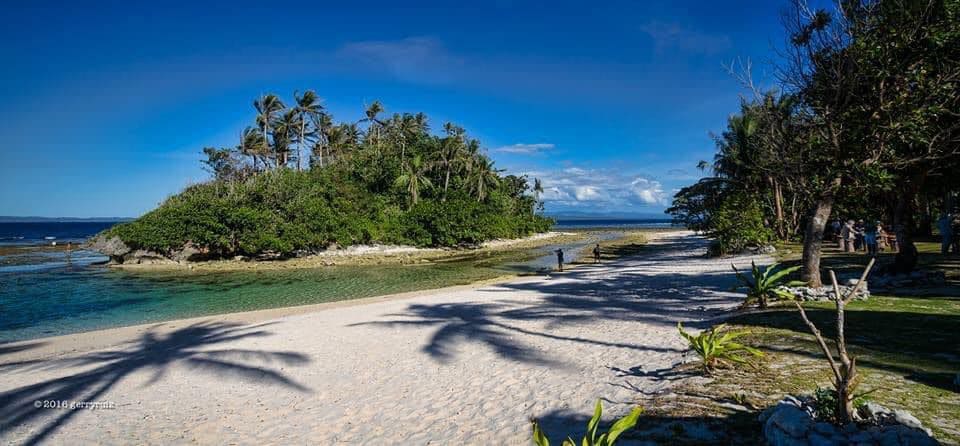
x,y
461,365
359,255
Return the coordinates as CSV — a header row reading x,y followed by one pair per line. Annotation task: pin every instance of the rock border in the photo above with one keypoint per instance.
x,y
792,422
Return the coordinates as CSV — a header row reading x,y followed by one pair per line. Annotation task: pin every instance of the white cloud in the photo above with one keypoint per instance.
x,y
600,189
668,36
525,149
414,59
587,193
647,191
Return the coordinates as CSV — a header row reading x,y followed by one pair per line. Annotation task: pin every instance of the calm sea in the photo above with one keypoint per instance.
x,y
613,223
27,233
46,291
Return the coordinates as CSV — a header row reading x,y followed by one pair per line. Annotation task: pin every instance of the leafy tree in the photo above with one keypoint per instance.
x,y
268,107
220,163
308,112
414,178
482,177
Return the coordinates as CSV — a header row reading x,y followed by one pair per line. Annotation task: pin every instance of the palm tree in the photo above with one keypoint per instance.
x,y
285,132
483,177
267,108
414,177
537,190
341,139
374,124
451,150
405,128
253,145
308,109
323,127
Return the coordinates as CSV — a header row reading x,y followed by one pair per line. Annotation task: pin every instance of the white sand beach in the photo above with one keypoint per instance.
x,y
464,365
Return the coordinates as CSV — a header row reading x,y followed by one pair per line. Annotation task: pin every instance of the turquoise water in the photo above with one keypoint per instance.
x,y
42,293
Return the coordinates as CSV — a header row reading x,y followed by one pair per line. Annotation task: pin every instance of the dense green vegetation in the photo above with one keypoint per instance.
x,y
864,123
297,182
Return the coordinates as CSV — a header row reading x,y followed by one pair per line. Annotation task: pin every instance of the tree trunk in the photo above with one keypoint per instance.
x,y
778,204
446,182
300,143
813,236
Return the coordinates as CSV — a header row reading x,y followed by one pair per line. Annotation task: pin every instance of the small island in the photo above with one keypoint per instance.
x,y
297,183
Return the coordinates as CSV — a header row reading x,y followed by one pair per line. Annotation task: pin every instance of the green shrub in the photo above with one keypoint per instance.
x,y
716,347
764,284
738,224
591,438
285,211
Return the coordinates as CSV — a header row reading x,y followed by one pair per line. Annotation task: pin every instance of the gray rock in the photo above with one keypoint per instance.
x,y
816,439
189,252
777,437
794,421
907,419
112,247
826,429
913,437
144,257
871,411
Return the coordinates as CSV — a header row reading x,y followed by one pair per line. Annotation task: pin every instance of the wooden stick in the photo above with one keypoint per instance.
x,y
823,344
863,277
841,340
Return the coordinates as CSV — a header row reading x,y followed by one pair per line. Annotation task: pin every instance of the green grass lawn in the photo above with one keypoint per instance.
x,y
907,347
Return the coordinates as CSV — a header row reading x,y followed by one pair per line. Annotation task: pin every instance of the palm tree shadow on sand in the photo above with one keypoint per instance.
x,y
154,352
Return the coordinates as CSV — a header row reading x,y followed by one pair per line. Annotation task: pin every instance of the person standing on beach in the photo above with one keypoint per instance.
x,y
848,235
560,260
596,254
870,240
945,225
859,242
835,228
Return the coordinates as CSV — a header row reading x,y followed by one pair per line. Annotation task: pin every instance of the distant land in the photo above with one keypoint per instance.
x,y
10,219
608,216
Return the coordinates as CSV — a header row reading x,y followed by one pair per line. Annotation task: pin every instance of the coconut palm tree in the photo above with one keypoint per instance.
x,y
253,145
308,109
268,106
450,153
323,126
374,124
537,190
405,128
285,132
414,177
483,177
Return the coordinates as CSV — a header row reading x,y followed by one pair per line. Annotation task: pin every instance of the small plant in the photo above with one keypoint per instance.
x,y
716,347
764,284
740,398
826,400
827,403
591,438
844,367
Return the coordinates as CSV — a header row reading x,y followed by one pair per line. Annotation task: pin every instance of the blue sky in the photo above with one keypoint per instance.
x,y
106,105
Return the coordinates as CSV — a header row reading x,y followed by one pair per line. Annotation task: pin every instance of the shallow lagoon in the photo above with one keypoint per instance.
x,y
42,294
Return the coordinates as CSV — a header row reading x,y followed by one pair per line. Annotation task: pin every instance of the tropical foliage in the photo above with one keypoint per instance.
x,y
863,123
298,182
717,347
764,284
591,438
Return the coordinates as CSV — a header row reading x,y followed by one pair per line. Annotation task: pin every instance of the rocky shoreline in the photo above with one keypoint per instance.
x,y
192,257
